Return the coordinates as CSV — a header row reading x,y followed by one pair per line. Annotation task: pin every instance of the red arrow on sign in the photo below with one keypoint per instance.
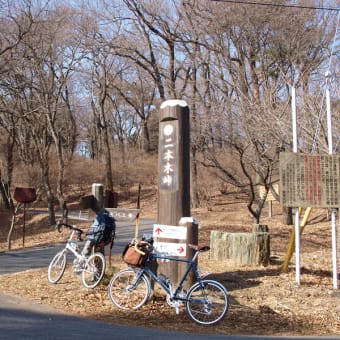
x,y
180,250
158,230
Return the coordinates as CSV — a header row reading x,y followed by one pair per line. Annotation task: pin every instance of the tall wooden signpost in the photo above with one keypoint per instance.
x,y
174,180
174,162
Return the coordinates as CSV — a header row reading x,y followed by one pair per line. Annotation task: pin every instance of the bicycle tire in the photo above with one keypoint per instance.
x,y
207,302
124,294
94,270
57,267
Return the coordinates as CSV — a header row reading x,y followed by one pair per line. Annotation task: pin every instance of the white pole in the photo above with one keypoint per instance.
x,y
297,215
334,250
333,214
294,120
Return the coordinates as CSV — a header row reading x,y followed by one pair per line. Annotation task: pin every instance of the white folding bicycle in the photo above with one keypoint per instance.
x,y
91,266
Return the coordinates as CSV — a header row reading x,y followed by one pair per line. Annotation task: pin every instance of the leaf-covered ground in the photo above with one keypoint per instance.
x,y
263,300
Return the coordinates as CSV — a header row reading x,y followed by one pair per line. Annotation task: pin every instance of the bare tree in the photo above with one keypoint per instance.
x,y
16,21
139,96
41,84
249,66
233,64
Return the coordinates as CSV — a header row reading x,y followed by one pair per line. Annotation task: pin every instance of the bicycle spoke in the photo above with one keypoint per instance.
x,y
127,290
94,270
207,303
56,267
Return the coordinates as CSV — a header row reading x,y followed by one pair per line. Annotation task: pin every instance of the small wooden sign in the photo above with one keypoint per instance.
x,y
25,195
270,196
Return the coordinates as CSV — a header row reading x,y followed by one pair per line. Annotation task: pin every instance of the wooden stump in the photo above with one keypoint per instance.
x,y
242,248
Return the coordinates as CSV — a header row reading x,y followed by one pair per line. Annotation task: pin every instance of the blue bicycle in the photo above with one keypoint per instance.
x,y
206,301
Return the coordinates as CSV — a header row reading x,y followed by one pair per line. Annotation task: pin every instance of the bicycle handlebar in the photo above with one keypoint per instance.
x,y
61,224
140,243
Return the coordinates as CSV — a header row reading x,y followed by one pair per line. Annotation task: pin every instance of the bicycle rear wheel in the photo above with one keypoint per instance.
x,y
94,270
128,289
57,267
207,302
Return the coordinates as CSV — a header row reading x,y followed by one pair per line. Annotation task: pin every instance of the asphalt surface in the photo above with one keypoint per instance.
x,y
24,319
40,257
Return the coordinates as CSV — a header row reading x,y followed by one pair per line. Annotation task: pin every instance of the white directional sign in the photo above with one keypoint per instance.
x,y
123,214
169,231
170,249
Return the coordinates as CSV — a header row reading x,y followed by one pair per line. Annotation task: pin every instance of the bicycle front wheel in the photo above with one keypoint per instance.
x,y
129,289
207,302
57,267
94,270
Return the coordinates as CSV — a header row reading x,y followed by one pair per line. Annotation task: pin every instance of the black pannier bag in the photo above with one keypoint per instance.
x,y
102,230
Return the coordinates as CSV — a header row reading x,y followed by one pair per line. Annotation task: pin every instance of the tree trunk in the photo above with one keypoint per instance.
x,y
243,248
5,200
48,191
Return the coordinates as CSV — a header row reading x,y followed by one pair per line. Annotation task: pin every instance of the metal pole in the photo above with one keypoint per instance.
x,y
333,211
297,214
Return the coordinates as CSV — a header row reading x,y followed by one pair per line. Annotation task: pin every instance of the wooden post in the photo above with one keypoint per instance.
x,y
98,193
174,171
173,162
192,237
24,195
110,199
291,245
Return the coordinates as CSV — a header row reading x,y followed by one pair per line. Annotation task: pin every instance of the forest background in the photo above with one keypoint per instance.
x,y
81,84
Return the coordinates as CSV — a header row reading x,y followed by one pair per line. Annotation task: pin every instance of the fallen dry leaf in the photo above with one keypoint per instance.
x,y
263,300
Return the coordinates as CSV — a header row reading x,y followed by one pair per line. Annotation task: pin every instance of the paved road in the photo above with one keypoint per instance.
x,y
23,319
20,319
40,257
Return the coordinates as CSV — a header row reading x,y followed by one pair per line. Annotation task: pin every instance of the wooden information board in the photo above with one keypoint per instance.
x,y
309,180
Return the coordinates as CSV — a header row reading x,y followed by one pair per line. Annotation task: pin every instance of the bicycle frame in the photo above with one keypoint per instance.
x,y
168,289
71,248
205,301
91,266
